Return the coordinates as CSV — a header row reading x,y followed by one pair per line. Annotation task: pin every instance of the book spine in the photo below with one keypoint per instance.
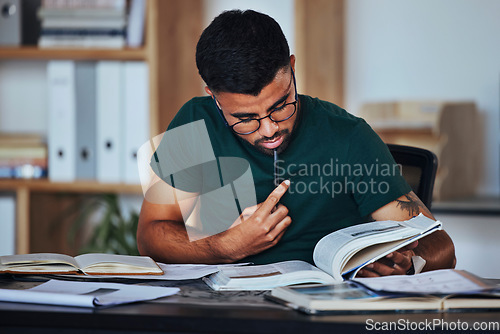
x,y
114,42
26,171
77,32
44,13
84,23
117,4
20,161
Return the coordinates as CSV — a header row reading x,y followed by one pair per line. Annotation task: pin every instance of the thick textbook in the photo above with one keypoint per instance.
x,y
89,264
337,256
462,291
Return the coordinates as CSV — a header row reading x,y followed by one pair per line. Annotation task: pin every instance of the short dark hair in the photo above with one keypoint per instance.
x,y
241,52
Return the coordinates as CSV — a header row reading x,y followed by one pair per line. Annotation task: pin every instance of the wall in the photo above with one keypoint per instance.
x,y
476,242
425,49
281,10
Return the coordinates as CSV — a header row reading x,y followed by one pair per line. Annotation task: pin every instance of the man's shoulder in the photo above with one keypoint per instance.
x,y
329,114
198,108
317,106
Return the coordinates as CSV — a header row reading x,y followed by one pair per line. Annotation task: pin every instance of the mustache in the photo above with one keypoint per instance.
x,y
276,135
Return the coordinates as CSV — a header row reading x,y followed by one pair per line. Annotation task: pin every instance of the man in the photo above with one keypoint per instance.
x,y
337,170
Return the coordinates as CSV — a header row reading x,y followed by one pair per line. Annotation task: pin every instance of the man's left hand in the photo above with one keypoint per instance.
x,y
395,263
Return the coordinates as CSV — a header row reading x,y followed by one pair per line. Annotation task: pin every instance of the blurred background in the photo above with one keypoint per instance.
x,y
421,72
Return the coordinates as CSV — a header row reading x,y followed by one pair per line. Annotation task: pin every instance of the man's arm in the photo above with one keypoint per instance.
x,y
162,233
437,248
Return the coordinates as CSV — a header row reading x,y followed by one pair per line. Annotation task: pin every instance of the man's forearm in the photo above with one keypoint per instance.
x,y
168,242
438,251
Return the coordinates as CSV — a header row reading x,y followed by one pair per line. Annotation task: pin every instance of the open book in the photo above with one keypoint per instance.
x,y
452,290
337,256
90,264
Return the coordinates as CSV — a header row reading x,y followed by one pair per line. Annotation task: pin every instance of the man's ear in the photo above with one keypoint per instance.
x,y
292,62
209,92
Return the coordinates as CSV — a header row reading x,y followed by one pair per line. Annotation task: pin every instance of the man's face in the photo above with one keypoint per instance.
x,y
271,135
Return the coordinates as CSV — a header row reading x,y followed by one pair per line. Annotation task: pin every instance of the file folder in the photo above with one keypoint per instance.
x,y
109,115
8,225
10,22
62,120
136,117
85,78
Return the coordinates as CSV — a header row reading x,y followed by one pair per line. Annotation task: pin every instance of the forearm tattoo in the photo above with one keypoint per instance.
x,y
412,205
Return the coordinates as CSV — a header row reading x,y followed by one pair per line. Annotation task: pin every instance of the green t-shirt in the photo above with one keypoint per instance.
x,y
340,171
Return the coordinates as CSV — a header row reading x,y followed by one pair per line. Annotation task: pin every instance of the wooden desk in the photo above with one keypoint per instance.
x,y
162,317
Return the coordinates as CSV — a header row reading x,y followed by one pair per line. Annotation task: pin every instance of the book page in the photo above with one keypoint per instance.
x,y
267,269
445,281
375,252
266,277
34,259
334,250
113,263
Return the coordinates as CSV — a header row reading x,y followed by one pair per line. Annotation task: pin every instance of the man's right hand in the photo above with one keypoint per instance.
x,y
259,227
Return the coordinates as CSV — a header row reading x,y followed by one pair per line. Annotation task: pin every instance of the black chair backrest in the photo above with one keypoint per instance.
x,y
419,168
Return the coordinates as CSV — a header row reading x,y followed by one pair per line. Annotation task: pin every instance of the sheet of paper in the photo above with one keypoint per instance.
x,y
191,271
174,272
85,294
446,281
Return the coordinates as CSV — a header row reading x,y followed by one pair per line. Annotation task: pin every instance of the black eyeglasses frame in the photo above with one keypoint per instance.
x,y
294,103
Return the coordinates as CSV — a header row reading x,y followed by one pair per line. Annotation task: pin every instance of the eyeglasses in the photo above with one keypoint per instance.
x,y
280,114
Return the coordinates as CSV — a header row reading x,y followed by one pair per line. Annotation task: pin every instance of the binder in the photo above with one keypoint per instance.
x,y
108,125
85,78
61,137
136,23
8,225
10,22
136,118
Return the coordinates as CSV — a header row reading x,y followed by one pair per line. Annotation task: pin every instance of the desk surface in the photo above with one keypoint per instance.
x,y
182,314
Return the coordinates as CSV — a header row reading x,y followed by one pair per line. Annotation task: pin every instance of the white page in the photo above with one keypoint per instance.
x,y
37,258
334,250
90,259
173,272
85,294
445,281
269,269
191,271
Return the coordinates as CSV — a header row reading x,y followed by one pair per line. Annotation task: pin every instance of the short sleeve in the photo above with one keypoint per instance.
x,y
376,179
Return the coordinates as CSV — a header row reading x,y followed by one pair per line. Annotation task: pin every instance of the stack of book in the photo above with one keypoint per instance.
x,y
98,115
22,156
83,23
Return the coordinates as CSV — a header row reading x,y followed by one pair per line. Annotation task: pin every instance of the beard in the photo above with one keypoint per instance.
x,y
286,141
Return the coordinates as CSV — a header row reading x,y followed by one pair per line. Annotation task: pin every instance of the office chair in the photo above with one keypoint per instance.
x,y
419,168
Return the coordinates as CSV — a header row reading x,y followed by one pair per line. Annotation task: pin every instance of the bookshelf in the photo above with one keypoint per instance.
x,y
35,53
171,32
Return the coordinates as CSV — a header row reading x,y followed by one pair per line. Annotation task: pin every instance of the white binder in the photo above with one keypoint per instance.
x,y
8,225
109,115
136,117
62,120
85,120
10,22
